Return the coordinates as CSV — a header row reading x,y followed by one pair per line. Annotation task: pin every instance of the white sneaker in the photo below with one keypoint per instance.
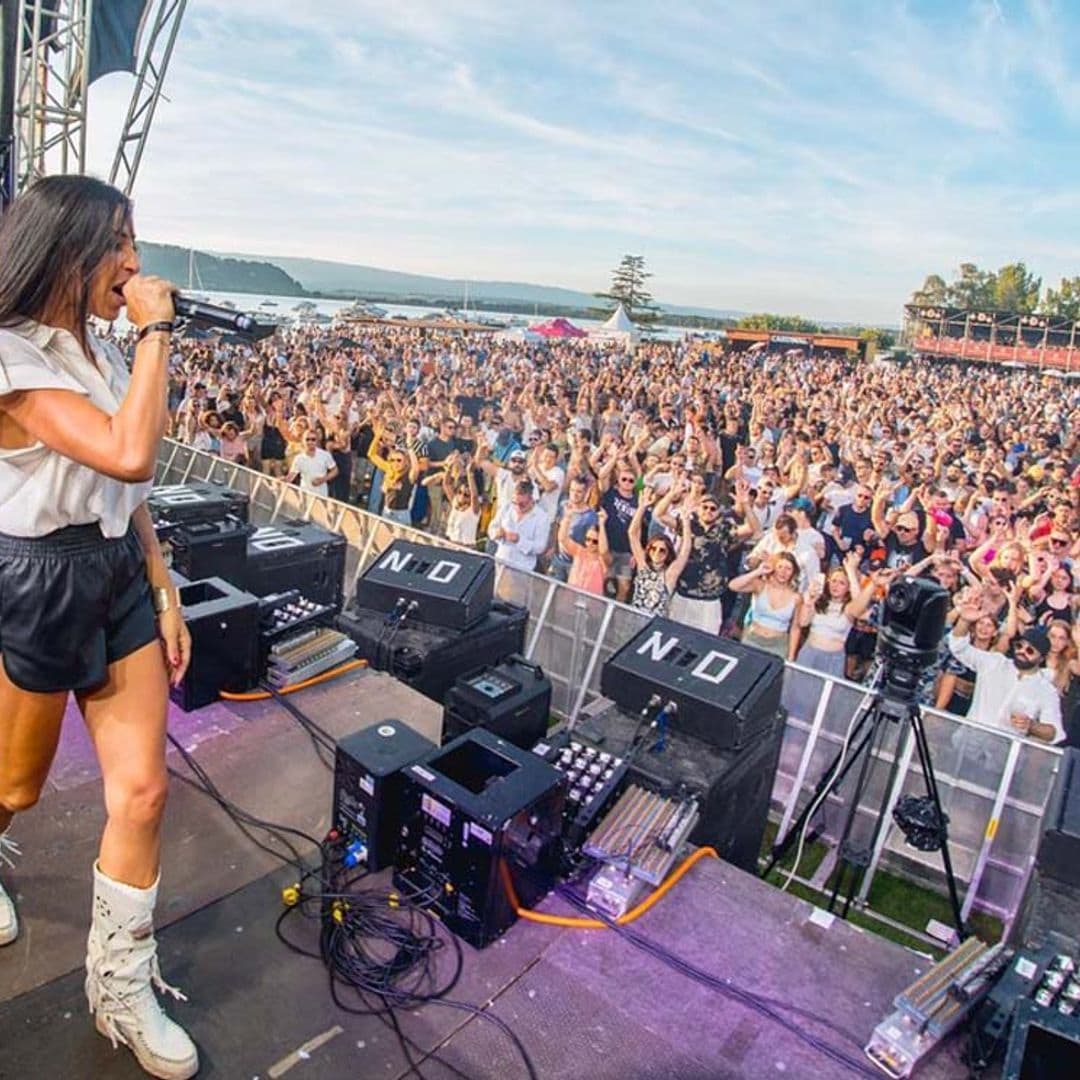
x,y
9,921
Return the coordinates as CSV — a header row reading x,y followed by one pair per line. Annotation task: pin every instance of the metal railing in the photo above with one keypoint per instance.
x,y
994,785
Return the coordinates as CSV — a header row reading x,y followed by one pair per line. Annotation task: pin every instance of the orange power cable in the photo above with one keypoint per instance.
x,y
597,924
262,695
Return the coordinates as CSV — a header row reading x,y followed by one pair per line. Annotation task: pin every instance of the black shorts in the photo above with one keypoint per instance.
x,y
71,603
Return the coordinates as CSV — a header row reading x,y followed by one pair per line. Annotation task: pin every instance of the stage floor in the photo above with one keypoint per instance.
x,y
584,1003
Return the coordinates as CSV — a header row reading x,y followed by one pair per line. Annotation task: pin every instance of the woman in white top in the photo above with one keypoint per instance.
x,y
831,608
81,573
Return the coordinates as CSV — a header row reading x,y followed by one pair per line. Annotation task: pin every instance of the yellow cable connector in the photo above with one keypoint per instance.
x,y
290,895
338,911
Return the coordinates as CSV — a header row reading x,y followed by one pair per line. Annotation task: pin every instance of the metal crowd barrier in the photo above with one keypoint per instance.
x,y
994,785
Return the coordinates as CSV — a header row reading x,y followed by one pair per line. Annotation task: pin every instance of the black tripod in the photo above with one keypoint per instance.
x,y
921,819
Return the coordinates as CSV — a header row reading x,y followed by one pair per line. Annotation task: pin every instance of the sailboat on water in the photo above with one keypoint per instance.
x,y
193,279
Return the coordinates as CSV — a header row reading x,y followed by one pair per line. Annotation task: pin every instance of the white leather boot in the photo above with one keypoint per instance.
x,y
121,975
9,921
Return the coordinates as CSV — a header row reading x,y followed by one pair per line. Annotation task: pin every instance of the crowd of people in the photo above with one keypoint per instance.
x,y
763,496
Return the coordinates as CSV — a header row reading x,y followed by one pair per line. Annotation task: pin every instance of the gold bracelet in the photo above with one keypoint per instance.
x,y
164,599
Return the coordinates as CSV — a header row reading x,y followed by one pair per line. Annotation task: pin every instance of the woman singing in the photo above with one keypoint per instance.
x,y
86,604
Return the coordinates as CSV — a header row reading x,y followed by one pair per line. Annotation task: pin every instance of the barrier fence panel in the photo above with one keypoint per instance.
x,y
993,785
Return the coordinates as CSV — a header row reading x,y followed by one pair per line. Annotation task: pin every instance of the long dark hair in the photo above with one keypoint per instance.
x,y
56,233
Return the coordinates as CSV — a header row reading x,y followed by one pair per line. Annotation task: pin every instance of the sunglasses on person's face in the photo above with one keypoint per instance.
x,y
709,508
626,479
592,539
1023,649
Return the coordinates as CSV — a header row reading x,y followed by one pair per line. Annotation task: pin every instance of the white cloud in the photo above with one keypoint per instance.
x,y
790,156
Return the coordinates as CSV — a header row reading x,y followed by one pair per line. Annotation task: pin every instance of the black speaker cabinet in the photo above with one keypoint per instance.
x,y
297,555
430,658
451,588
204,549
171,504
1059,849
368,785
725,692
733,786
224,625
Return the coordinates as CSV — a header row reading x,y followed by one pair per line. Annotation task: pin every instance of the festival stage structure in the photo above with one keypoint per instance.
x,y
790,341
1019,339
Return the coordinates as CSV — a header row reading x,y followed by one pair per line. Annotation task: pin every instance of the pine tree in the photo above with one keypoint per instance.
x,y
628,288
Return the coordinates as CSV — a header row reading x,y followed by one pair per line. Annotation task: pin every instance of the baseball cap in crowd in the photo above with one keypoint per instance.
x,y
518,455
800,503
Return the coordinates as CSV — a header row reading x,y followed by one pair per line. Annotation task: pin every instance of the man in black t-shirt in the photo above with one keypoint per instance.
x,y
438,450
620,502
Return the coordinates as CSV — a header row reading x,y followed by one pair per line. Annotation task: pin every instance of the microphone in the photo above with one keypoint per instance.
x,y
213,315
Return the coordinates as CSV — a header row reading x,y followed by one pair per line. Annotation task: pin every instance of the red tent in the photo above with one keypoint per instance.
x,y
559,327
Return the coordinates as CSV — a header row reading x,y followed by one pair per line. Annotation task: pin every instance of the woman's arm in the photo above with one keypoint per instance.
x,y
602,538
123,446
682,556
174,634
637,550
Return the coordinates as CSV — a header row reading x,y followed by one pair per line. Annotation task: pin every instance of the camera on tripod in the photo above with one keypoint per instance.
x,y
912,626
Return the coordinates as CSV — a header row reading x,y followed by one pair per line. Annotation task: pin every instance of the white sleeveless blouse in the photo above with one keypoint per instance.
x,y
40,490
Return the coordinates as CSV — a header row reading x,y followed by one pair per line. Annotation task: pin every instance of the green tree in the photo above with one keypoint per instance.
x,y
934,292
768,321
1016,288
628,288
972,289
883,339
1064,301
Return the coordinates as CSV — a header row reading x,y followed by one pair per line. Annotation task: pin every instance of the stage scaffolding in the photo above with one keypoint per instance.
x,y
1043,342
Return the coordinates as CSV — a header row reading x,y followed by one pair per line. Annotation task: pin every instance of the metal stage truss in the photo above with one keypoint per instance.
x,y
51,78
45,73
144,98
994,785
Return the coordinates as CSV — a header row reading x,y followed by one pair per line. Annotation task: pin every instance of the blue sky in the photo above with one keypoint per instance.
x,y
816,157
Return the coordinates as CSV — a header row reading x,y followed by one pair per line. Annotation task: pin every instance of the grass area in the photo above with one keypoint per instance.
x,y
891,896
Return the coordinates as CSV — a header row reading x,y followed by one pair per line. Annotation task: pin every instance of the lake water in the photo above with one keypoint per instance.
x,y
256,304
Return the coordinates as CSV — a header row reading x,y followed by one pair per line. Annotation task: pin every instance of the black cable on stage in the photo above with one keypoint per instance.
x,y
351,919
381,946
243,820
764,1006
321,739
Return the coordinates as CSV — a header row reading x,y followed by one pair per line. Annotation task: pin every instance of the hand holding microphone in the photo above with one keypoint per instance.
x,y
149,299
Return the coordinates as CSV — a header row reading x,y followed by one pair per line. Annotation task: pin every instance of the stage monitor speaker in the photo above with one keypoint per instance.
x,y
430,658
224,625
297,555
511,699
734,787
368,786
1059,850
205,549
172,504
725,692
475,812
452,588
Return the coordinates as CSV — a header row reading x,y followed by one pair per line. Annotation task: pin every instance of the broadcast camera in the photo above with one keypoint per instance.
x,y
912,626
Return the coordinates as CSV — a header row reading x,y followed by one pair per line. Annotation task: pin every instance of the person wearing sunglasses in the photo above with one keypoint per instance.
x,y
1011,690
658,563
590,559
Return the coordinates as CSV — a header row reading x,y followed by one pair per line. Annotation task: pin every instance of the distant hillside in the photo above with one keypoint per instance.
x,y
373,283
216,272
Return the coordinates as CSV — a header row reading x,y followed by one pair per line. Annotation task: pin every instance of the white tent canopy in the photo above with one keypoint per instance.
x,y
619,320
617,328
